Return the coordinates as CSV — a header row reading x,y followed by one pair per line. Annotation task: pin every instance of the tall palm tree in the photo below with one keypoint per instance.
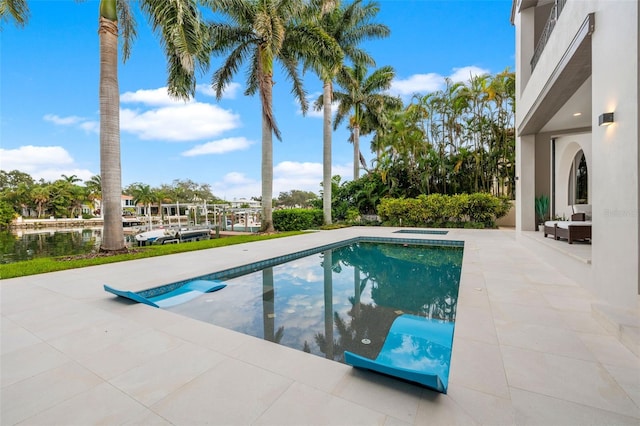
x,y
262,32
349,26
365,96
182,34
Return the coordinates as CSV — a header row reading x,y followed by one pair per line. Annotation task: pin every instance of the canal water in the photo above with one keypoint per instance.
x,y
26,245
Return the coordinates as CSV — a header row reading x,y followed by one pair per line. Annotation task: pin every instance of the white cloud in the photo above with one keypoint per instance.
x,y
236,178
73,120
42,162
230,92
152,97
27,158
236,185
219,147
162,118
417,83
432,82
287,176
464,74
63,121
53,174
186,122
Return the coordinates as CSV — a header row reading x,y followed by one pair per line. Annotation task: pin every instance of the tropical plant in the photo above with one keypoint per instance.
x,y
542,207
262,32
363,96
40,196
349,26
143,194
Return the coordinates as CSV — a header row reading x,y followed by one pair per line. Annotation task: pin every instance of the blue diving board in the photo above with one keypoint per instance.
x,y
416,349
184,293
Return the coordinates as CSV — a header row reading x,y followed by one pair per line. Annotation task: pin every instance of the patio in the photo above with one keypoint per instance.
x,y
530,347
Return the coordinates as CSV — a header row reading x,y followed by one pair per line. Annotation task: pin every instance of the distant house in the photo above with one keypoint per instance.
x,y
244,203
577,125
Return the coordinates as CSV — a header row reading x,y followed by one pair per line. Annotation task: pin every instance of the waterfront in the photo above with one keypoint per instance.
x,y
19,245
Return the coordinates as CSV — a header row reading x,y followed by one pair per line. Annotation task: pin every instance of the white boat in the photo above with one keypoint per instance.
x,y
172,235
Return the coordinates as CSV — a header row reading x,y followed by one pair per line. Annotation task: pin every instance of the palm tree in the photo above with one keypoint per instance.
x,y
94,189
71,179
364,95
143,194
182,35
348,26
260,33
40,196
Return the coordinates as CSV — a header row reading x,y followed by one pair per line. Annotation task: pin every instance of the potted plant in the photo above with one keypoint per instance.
x,y
542,208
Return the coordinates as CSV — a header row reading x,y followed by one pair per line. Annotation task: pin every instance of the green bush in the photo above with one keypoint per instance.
x,y
7,214
478,210
297,219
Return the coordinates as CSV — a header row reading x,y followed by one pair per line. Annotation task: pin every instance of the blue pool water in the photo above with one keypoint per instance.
x,y
341,299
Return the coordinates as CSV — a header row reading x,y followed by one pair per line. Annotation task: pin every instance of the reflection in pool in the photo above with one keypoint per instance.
x,y
345,298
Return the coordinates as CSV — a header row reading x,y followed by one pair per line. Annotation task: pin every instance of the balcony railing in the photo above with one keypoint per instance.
x,y
557,7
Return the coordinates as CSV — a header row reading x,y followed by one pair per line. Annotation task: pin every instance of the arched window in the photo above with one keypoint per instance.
x,y
578,180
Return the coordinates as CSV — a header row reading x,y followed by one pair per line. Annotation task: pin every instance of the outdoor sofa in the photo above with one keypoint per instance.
x,y
576,229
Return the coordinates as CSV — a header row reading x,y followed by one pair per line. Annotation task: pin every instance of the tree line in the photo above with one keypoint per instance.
x,y
67,196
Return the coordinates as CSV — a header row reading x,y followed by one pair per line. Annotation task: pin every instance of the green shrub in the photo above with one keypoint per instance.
x,y
478,210
7,214
297,219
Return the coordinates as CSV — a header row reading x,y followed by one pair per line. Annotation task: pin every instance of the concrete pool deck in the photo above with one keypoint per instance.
x,y
528,349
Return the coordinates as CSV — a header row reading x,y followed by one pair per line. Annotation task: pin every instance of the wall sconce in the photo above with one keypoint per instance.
x,y
605,119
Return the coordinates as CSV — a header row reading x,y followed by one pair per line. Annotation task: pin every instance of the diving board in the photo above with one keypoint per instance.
x,y
184,293
416,349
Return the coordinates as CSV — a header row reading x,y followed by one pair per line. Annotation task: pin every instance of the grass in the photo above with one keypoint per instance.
x,y
52,264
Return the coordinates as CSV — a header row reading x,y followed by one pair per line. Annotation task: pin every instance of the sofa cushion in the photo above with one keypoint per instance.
x,y
583,208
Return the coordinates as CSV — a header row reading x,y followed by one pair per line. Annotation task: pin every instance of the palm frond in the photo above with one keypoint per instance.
x,y
16,10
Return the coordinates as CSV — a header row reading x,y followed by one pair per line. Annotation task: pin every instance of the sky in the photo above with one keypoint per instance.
x,y
49,110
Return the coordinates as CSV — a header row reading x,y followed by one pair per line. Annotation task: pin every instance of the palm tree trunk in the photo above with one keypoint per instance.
x,y
267,174
110,168
356,152
328,303
326,154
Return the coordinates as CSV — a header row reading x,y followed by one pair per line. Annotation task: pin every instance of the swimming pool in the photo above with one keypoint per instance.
x,y
340,298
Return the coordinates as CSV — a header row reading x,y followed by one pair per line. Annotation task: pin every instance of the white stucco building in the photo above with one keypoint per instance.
x,y
577,60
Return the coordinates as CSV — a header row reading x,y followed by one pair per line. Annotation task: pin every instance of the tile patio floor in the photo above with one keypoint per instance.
x,y
527,350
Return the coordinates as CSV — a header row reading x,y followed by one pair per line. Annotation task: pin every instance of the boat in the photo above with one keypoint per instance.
x,y
172,235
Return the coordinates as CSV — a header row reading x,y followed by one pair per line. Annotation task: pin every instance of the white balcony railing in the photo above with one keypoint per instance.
x,y
557,7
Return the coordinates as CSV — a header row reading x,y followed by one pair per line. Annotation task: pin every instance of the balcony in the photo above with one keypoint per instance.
x,y
554,14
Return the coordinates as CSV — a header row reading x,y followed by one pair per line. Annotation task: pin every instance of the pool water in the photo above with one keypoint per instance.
x,y
343,298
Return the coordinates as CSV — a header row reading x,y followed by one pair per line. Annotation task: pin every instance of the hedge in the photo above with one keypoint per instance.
x,y
297,219
478,210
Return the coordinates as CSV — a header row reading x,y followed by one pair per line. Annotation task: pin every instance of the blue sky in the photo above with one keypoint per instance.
x,y
49,98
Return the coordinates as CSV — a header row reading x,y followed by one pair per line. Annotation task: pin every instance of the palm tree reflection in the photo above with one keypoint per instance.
x,y
268,308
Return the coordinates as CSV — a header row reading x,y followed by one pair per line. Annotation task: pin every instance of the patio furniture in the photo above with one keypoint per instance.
x,y
416,349
577,229
178,295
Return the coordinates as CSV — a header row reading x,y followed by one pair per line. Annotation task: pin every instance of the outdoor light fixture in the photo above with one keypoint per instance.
x,y
605,119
